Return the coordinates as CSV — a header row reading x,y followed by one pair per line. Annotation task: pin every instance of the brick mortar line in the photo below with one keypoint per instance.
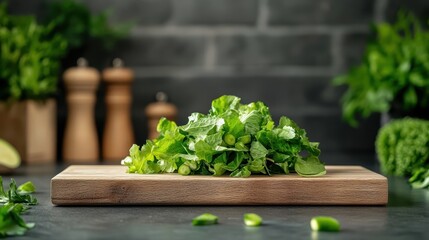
x,y
337,51
250,31
186,72
263,15
210,53
380,8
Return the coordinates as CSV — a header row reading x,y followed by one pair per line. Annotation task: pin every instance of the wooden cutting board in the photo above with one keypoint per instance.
x,y
110,185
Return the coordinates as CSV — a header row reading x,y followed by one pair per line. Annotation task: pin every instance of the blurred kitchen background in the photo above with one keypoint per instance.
x,y
282,52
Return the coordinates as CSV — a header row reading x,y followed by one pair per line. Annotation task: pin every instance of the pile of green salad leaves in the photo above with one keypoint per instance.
x,y
234,138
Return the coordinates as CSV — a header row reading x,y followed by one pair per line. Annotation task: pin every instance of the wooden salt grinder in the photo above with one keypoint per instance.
x,y
80,137
160,108
118,133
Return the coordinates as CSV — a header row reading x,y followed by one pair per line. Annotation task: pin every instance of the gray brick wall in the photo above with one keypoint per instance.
x,y
283,52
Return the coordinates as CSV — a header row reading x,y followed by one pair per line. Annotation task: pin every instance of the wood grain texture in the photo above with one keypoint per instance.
x,y
30,126
110,185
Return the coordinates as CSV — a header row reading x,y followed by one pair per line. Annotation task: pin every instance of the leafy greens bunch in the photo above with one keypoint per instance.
x,y
394,74
29,58
239,139
403,150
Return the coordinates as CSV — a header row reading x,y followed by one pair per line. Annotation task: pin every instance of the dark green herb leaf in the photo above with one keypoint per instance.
x,y
13,195
27,187
11,223
310,166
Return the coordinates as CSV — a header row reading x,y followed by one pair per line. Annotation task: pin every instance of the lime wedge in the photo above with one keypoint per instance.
x,y
9,157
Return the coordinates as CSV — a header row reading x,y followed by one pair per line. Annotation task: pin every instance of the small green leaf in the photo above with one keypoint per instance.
x,y
224,103
27,187
241,172
310,167
258,151
11,222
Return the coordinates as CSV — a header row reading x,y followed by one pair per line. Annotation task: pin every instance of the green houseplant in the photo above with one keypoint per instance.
x,y
29,69
29,58
393,77
87,34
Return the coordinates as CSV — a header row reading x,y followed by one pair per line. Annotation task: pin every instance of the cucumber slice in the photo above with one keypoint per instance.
x,y
325,224
205,219
252,219
9,157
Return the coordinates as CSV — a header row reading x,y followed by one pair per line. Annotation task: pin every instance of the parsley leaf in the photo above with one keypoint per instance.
x,y
11,222
21,194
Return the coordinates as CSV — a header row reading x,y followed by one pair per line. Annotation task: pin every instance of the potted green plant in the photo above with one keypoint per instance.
x,y
88,35
29,69
393,78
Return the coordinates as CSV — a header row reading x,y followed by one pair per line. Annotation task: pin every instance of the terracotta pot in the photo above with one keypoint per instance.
x,y
31,127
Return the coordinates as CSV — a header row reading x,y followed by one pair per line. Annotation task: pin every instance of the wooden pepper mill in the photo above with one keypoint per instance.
x,y
157,110
118,133
80,137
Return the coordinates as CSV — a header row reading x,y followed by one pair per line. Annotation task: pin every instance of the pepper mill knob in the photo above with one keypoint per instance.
x,y
157,110
118,132
80,136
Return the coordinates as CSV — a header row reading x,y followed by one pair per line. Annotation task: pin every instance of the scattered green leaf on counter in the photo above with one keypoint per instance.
x,y
393,76
252,219
205,219
233,138
11,223
27,187
325,224
14,195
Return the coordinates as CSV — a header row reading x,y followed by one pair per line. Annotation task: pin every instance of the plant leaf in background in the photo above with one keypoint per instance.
x,y
394,73
239,139
29,59
74,21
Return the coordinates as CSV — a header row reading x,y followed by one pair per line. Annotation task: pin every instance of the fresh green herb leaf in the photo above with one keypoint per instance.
x,y
242,172
205,219
309,167
258,151
233,138
11,223
27,187
13,195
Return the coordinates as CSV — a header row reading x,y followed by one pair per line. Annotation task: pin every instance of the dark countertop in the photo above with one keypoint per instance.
x,y
405,217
